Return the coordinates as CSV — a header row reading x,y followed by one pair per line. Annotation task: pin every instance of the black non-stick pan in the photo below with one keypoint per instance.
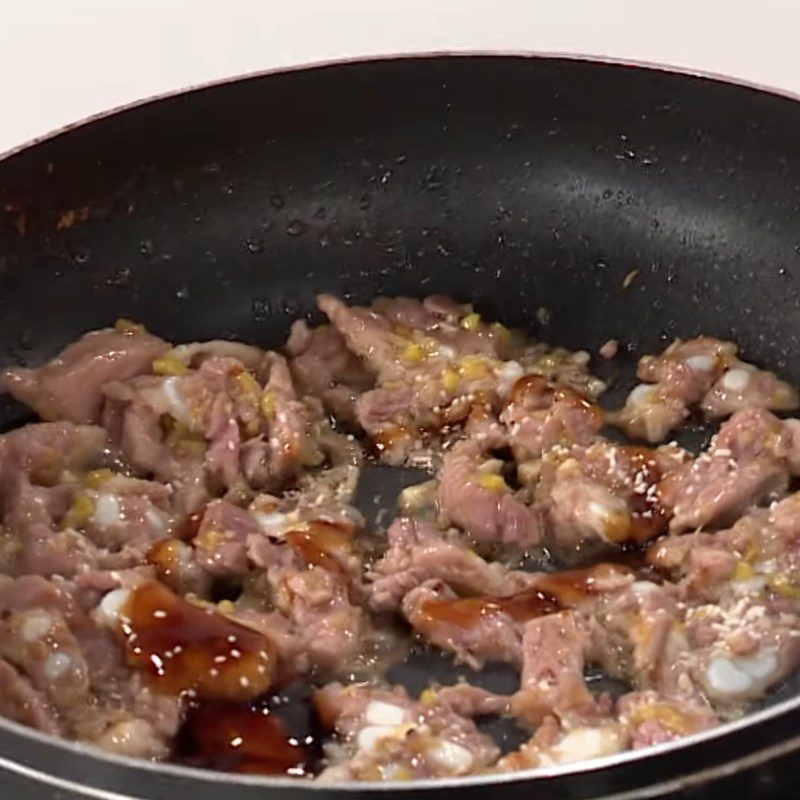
x,y
583,201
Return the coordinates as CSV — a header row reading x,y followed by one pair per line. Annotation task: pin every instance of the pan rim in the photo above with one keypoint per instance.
x,y
87,751
340,61
93,754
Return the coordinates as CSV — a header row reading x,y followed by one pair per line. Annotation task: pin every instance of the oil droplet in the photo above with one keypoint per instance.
x,y
261,310
296,228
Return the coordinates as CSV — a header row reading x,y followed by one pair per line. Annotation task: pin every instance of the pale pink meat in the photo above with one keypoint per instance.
x,y
220,471
70,387
480,503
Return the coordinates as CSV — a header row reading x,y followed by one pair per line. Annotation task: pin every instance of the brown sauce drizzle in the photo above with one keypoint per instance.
x,y
188,526
389,437
243,738
554,591
574,586
533,388
318,543
165,556
649,517
467,612
182,647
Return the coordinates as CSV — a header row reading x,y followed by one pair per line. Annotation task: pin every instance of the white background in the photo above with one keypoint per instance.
x,y
64,60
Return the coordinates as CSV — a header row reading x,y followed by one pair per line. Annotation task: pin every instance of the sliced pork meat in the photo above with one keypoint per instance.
x,y
40,644
554,654
739,650
637,635
540,416
432,369
604,495
652,718
477,629
474,496
215,429
418,552
384,735
308,582
744,386
674,381
702,371
171,573
554,743
221,540
70,387
469,701
194,353
758,554
748,463
323,367
19,701
650,413
40,475
473,629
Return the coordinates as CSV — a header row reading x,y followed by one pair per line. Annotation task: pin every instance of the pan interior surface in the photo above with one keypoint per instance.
x,y
580,201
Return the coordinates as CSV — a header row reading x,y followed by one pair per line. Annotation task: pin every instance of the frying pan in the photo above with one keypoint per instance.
x,y
531,187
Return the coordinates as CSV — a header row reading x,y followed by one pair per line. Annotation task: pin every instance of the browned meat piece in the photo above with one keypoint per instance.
x,y
418,552
336,632
322,366
604,494
539,417
33,591
43,452
384,735
473,496
70,387
553,649
20,702
653,718
704,562
744,386
473,629
107,521
747,463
